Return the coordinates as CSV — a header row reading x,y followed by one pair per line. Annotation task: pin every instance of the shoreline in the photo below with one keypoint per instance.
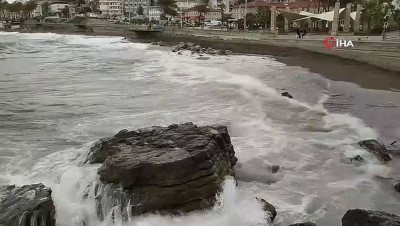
x,y
336,72
367,50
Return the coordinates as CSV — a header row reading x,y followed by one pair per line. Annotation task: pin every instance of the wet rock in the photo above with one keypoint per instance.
x,y
357,158
397,187
197,49
268,208
287,94
19,206
359,217
171,169
203,58
275,168
179,53
376,148
160,43
304,224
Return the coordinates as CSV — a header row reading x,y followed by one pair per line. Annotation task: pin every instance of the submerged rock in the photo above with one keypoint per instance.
x,y
171,169
287,94
304,224
268,207
397,187
376,148
357,158
20,206
359,217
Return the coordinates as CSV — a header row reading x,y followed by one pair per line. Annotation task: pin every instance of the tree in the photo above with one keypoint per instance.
x,y
3,7
374,13
79,4
29,7
168,7
262,17
65,11
396,17
95,6
140,10
45,8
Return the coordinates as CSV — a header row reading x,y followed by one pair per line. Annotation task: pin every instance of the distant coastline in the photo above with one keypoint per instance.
x,y
384,55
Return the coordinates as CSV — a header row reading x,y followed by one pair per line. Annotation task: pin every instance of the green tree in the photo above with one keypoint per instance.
x,y
374,13
45,8
3,7
168,7
139,11
262,17
65,11
15,7
29,7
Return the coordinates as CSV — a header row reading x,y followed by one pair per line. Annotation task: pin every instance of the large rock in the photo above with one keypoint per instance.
x,y
376,148
268,207
359,217
397,187
23,206
176,169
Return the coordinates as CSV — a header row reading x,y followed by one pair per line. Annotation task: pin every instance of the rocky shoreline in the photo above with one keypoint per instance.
x,y
166,170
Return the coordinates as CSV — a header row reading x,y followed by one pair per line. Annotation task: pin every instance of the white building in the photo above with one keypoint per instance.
x,y
154,13
112,8
57,7
131,7
37,12
186,4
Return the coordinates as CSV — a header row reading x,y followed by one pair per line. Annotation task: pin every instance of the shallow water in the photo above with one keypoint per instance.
x,y
60,93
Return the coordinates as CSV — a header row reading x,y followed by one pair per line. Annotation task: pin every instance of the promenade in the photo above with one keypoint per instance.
x,y
367,49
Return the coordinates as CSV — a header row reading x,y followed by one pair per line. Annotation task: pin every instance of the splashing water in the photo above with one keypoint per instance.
x,y
91,87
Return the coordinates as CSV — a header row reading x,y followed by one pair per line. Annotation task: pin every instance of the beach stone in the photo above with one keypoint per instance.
x,y
377,149
19,206
397,187
203,58
357,158
304,224
287,94
268,207
174,169
359,217
275,168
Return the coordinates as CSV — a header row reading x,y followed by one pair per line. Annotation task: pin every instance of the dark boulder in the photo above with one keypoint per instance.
x,y
359,217
19,206
287,94
268,207
304,224
397,187
357,158
376,148
171,169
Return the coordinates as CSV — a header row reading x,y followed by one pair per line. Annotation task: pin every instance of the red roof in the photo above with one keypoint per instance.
x,y
265,4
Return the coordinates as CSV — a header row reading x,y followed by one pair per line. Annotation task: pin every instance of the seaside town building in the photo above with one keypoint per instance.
x,y
238,11
186,4
192,15
58,7
112,8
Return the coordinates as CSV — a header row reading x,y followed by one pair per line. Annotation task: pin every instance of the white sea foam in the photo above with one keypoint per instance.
x,y
316,180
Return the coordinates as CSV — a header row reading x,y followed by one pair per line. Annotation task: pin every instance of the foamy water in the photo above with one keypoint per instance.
x,y
60,93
